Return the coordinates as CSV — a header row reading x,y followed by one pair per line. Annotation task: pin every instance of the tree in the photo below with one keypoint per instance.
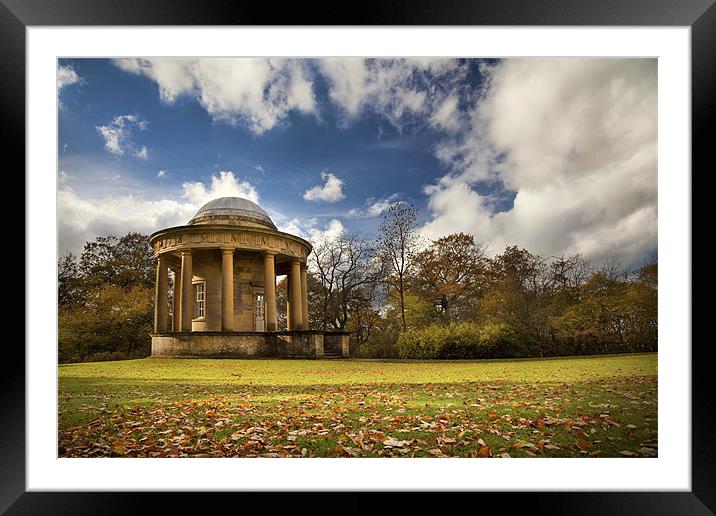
x,y
68,280
519,294
452,269
398,244
125,262
344,273
113,321
617,312
106,298
568,276
281,300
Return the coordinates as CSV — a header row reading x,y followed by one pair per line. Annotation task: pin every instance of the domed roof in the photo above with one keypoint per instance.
x,y
232,210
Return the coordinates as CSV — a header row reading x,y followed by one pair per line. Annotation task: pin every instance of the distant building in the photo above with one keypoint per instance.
x,y
225,262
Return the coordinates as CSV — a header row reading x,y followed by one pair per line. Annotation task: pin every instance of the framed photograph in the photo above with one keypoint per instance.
x,y
358,257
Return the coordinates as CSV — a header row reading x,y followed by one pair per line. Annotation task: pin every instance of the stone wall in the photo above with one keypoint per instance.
x,y
293,344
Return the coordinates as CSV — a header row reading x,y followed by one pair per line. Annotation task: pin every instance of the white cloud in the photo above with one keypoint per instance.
x,y
82,219
255,93
66,76
161,174
63,177
311,231
223,184
446,117
373,208
404,91
576,141
349,78
118,135
142,152
331,191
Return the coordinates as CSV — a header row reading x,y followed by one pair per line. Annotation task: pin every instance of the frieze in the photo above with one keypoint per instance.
x,y
238,239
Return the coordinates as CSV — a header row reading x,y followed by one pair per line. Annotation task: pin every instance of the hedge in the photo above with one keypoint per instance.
x,y
462,340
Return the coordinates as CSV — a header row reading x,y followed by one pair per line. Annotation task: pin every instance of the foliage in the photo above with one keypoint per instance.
x,y
575,407
613,316
113,321
461,340
106,300
452,269
521,304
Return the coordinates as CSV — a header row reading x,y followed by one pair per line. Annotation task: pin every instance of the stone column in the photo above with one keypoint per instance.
x,y
187,294
304,295
270,290
295,280
161,306
176,307
227,289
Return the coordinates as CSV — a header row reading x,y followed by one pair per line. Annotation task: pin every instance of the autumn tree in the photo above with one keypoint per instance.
x,y
519,294
106,298
568,275
398,245
617,312
454,269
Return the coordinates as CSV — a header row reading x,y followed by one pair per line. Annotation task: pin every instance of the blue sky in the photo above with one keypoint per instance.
x,y
527,152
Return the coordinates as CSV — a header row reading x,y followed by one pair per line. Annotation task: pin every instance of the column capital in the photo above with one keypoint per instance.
x,y
227,250
269,254
186,252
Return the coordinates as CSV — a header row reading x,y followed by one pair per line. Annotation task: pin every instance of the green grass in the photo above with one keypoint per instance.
x,y
564,407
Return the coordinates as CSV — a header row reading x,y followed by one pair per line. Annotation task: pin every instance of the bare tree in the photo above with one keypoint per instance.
x,y
345,270
398,244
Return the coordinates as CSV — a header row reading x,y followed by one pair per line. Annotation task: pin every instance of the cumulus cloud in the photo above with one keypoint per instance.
x,y
446,116
312,231
223,184
118,136
255,93
575,141
82,219
373,207
330,191
66,76
259,94
404,91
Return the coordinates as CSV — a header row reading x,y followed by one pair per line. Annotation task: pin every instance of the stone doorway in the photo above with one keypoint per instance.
x,y
259,324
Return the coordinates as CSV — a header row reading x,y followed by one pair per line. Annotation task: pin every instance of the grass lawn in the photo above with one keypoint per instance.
x,y
564,407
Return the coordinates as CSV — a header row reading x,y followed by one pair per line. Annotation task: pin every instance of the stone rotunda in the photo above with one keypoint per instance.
x,y
225,262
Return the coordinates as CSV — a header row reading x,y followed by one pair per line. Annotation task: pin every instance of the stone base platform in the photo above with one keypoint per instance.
x,y
238,344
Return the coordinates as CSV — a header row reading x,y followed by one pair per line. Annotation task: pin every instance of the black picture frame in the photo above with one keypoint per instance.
x,y
16,15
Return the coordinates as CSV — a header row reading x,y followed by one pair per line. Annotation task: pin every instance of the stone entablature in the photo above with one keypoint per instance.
x,y
239,238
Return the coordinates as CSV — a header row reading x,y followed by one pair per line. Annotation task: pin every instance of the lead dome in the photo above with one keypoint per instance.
x,y
233,211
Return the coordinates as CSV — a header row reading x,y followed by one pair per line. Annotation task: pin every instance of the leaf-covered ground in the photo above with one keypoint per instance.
x,y
566,407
